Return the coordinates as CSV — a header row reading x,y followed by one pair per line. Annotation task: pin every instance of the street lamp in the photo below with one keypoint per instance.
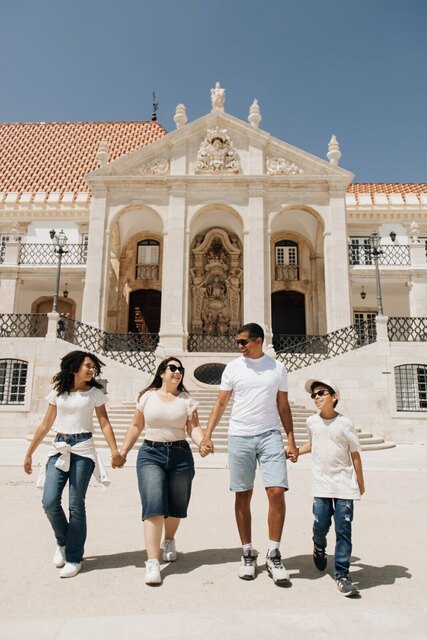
x,y
59,241
374,239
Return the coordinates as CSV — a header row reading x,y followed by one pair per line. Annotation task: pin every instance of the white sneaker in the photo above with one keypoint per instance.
x,y
59,557
247,569
169,553
70,569
152,572
275,567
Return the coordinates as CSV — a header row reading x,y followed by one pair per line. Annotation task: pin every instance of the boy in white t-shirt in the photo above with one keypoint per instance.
x,y
337,478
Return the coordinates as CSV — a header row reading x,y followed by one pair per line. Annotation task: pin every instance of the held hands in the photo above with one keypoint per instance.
x,y
292,453
118,461
206,447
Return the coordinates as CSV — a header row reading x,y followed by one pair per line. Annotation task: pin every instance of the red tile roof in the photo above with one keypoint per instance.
x,y
387,188
55,156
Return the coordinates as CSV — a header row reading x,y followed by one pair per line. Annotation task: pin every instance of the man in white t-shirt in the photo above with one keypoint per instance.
x,y
260,409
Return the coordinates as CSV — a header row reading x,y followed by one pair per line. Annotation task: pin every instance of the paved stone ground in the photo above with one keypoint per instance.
x,y
201,596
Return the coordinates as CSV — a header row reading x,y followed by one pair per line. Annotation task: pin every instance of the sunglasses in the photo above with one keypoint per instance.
x,y
174,368
244,341
320,393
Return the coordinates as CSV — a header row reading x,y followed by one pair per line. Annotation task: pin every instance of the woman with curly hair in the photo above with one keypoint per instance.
x,y
73,457
165,465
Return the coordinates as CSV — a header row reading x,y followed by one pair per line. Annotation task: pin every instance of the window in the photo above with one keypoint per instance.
x,y
411,387
286,252
360,251
147,260
13,378
366,327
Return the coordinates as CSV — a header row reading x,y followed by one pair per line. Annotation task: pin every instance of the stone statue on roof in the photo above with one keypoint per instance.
x,y
218,97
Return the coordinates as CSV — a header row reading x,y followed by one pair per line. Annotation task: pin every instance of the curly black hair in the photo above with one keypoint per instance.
x,y
156,383
63,381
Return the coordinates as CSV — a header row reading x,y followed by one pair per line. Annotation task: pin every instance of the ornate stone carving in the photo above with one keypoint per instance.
x,y
216,154
216,284
334,153
218,97
103,154
415,231
281,167
180,116
254,114
156,167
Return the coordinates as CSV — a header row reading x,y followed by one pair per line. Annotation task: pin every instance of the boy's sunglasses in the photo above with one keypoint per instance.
x,y
244,341
173,368
320,393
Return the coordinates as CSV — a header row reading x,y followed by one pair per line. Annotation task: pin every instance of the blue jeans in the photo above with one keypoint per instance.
x,y
342,512
165,475
70,533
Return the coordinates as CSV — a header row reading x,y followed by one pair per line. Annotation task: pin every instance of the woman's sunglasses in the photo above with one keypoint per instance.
x,y
320,393
174,368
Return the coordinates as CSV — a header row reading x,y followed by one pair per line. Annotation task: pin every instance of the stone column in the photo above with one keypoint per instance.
x,y
174,278
9,277
255,260
93,295
417,284
337,283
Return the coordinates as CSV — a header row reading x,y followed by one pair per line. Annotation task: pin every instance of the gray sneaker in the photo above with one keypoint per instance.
x,y
169,552
346,587
247,569
275,567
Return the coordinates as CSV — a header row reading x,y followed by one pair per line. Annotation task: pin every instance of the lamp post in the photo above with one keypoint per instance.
x,y
59,241
374,239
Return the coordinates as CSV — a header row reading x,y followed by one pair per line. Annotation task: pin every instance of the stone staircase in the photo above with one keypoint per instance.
x,y
121,415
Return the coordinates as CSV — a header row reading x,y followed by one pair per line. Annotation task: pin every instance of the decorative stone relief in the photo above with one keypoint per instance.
x,y
156,167
216,154
216,284
415,231
281,167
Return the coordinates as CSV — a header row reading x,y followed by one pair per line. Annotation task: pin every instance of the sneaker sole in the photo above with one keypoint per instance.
x,y
166,558
350,593
247,577
279,580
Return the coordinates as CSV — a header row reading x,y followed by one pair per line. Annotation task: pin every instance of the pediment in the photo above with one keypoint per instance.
x,y
220,144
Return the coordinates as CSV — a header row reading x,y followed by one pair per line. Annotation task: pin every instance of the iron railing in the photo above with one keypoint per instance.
x,y
407,329
45,254
23,325
211,342
390,255
302,351
286,272
133,349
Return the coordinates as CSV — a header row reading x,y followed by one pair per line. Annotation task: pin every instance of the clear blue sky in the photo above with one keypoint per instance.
x,y
356,68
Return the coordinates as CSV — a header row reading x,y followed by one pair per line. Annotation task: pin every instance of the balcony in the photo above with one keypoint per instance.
x,y
147,272
44,254
391,255
286,272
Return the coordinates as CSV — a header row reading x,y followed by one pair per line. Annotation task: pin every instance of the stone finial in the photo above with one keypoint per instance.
x,y
334,153
102,154
255,114
218,97
180,116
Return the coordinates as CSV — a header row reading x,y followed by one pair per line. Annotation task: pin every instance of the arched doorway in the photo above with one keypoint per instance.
x,y
288,313
144,311
45,306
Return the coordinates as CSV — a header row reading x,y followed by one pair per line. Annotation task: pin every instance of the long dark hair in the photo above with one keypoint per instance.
x,y
156,383
63,381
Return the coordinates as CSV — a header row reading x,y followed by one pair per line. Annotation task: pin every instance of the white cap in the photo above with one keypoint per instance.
x,y
325,381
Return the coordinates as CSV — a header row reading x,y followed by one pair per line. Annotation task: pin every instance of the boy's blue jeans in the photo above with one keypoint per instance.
x,y
70,533
342,512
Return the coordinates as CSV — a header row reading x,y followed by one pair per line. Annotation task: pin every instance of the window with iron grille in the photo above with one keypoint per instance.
x,y
13,379
411,387
360,251
286,252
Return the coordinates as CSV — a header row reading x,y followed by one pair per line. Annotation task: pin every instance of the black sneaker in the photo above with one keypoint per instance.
x,y
346,587
320,558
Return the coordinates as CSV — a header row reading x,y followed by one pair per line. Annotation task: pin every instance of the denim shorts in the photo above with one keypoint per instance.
x,y
245,451
165,475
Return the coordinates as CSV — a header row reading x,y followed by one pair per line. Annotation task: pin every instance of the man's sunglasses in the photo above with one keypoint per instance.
x,y
174,368
320,393
244,341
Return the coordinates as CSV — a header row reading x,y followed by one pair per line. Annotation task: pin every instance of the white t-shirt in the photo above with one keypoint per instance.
x,y
332,442
74,411
166,421
255,384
